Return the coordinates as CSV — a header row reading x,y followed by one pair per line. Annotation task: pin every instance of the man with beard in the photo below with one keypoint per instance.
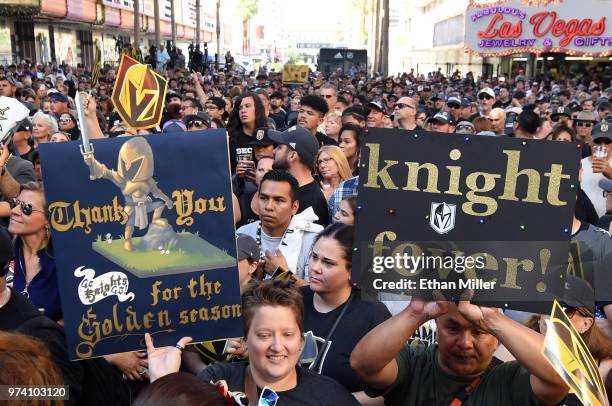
x,y
276,111
296,152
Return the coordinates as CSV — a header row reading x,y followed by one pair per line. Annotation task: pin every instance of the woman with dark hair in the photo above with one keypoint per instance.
x,y
350,144
180,389
273,324
248,114
334,312
346,211
68,124
564,133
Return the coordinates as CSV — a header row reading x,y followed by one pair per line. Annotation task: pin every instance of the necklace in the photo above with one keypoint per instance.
x,y
258,240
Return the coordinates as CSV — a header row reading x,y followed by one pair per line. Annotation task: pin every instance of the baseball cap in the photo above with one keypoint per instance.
x,y
577,293
466,102
443,117
200,115
247,247
437,96
465,127
262,137
519,94
605,184
23,125
561,111
514,110
301,141
217,101
601,130
453,100
376,105
173,127
486,90
58,97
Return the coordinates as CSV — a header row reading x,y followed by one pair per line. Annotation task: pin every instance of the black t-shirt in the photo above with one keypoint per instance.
x,y
240,150
325,140
311,389
280,119
360,317
310,195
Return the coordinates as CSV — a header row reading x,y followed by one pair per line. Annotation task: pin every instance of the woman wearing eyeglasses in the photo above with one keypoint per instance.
x,y
273,317
35,274
334,313
332,169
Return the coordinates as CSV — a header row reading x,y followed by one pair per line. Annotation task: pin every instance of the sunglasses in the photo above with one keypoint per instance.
x,y
26,208
484,96
559,118
268,397
454,106
584,124
197,123
402,105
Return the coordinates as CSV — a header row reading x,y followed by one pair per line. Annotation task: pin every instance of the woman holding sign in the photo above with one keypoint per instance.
x,y
273,317
35,274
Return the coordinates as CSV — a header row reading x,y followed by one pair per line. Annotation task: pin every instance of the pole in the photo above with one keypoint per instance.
x,y
197,22
136,43
157,28
173,23
384,47
218,35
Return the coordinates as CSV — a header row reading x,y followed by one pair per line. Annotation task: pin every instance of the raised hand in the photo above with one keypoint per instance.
x,y
428,310
164,360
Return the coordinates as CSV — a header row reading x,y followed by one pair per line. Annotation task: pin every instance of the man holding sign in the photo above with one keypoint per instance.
x,y
458,369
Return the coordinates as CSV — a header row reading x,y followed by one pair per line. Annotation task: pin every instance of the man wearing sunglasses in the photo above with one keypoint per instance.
x,y
562,115
197,122
486,100
584,126
405,114
454,107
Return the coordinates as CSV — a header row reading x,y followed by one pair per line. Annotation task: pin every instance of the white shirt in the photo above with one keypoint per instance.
x,y
590,186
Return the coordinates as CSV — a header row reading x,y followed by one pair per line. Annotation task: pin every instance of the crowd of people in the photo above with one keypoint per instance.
x,y
309,336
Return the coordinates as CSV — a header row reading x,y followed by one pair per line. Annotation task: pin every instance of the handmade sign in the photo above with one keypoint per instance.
x,y
513,26
295,74
458,212
571,358
139,94
144,240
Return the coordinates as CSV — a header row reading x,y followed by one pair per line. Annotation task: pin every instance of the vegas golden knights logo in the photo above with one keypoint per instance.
x,y
570,357
139,94
442,217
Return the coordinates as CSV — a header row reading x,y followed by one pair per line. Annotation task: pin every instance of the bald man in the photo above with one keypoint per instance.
x,y
498,120
405,114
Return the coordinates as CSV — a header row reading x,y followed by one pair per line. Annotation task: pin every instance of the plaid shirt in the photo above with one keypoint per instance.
x,y
345,189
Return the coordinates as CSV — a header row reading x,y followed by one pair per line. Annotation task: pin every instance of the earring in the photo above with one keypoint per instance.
x,y
47,232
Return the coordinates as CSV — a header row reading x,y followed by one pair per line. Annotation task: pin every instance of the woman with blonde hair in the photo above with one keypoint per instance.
x,y
333,123
332,168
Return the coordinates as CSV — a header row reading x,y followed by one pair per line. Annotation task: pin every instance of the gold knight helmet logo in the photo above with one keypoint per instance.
x,y
139,94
